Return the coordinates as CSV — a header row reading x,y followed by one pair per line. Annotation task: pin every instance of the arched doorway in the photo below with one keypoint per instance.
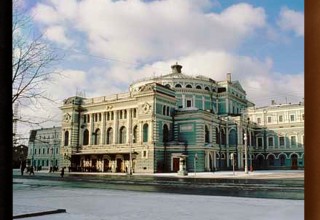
x,y
260,160
294,162
119,165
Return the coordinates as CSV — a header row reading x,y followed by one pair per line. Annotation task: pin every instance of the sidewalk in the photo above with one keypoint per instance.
x,y
259,174
26,211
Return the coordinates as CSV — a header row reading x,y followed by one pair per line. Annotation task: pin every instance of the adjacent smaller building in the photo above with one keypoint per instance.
x,y
44,147
278,132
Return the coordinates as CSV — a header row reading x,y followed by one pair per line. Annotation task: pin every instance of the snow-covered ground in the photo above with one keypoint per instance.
x,y
99,204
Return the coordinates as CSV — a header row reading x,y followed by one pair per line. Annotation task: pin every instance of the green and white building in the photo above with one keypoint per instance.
x,y
44,147
163,119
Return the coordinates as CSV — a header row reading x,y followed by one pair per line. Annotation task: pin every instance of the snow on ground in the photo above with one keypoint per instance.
x,y
97,204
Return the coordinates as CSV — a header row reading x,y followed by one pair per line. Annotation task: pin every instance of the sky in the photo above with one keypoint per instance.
x,y
108,44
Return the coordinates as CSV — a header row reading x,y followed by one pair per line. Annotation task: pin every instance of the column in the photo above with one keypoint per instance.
x,y
129,129
115,127
215,160
183,101
103,128
91,129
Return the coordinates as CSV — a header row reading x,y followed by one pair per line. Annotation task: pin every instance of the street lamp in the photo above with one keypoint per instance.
x,y
245,153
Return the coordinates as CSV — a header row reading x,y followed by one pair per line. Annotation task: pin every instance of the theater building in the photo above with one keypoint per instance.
x,y
161,119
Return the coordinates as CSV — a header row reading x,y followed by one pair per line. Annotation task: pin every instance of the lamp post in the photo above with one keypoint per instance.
x,y
130,159
245,153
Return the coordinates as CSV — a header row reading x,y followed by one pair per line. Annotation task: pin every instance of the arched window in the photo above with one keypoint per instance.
x,y
189,86
86,137
164,110
120,115
109,136
168,86
165,134
198,87
178,86
168,111
135,134
66,138
207,88
123,135
145,132
217,136
125,114
97,135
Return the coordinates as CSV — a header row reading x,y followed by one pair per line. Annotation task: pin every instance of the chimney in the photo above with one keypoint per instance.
x,y
229,77
176,68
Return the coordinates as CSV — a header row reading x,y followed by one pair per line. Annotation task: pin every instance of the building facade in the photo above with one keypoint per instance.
x,y
279,136
44,147
162,119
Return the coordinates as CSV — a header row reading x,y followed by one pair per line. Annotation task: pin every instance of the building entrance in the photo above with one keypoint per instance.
x,y
294,162
175,164
106,165
119,165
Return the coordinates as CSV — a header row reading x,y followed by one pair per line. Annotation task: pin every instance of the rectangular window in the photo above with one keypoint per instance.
x,y
144,154
280,118
260,142
269,119
189,103
293,140
281,141
291,117
270,141
259,120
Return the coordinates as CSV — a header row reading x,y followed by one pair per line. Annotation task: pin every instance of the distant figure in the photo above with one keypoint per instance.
x,y
31,171
69,168
22,168
62,172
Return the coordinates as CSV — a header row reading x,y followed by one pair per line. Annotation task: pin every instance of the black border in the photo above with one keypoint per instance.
x,y
6,209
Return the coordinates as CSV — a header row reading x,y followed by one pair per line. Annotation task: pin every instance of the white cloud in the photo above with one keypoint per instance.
x,y
148,31
291,20
57,34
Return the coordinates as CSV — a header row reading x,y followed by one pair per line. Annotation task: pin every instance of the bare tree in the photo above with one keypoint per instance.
x,y
33,61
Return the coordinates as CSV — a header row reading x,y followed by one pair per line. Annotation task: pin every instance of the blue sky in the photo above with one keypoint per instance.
x,y
108,44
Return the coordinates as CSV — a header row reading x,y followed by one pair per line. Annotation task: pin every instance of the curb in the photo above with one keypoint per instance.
x,y
39,213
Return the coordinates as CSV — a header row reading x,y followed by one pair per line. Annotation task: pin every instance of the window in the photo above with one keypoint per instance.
x,y
281,141
198,87
178,86
86,137
280,118
84,119
97,134
109,136
207,88
293,140
168,111
145,132
165,134
260,142
66,138
207,136
189,86
189,103
259,120
291,117
48,151
123,132
43,151
164,110
269,119
144,154
125,114
270,141
168,86
57,150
